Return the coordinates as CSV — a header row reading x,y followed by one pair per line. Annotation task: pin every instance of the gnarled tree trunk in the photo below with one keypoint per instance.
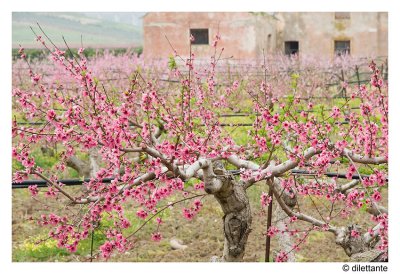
x,y
234,202
359,249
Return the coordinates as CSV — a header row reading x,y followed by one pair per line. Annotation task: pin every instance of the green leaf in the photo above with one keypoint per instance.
x,y
364,207
172,63
294,77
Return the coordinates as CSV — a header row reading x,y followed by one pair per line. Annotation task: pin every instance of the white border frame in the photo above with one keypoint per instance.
x,y
203,5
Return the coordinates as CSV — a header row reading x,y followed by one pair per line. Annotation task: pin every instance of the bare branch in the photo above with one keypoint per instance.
x,y
368,237
138,181
301,216
155,153
196,166
80,166
363,159
344,188
236,161
274,171
56,186
376,209
134,149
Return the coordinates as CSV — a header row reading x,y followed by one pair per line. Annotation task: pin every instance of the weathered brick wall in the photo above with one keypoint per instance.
x,y
245,35
317,31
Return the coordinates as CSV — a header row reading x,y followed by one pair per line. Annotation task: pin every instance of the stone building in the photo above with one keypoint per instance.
x,y
246,34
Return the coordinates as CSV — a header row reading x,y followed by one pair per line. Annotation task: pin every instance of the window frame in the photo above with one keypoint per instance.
x,y
342,50
292,50
342,15
198,40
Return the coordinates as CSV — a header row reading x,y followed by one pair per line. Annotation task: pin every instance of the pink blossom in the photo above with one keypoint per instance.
x,y
272,231
376,196
142,214
281,257
265,199
355,233
51,115
34,190
188,214
106,249
293,219
335,112
156,236
50,192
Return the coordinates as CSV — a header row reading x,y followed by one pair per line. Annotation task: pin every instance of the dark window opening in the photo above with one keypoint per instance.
x,y
291,47
342,48
200,36
342,15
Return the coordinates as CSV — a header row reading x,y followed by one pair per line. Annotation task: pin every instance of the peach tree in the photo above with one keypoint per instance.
x,y
152,141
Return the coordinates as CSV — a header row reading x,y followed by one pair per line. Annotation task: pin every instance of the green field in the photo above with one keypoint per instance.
x,y
95,32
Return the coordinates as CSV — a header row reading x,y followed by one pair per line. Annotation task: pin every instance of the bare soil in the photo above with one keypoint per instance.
x,y
203,235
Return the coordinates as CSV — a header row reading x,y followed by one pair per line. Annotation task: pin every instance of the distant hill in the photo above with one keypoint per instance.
x,y
97,29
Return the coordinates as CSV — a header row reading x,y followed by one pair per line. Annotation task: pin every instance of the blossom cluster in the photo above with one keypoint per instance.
x,y
150,132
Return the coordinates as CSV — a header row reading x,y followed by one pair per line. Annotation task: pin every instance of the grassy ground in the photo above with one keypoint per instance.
x,y
203,236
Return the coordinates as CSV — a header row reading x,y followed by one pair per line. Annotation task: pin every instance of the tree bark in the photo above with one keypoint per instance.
x,y
94,159
359,249
285,241
80,166
232,197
